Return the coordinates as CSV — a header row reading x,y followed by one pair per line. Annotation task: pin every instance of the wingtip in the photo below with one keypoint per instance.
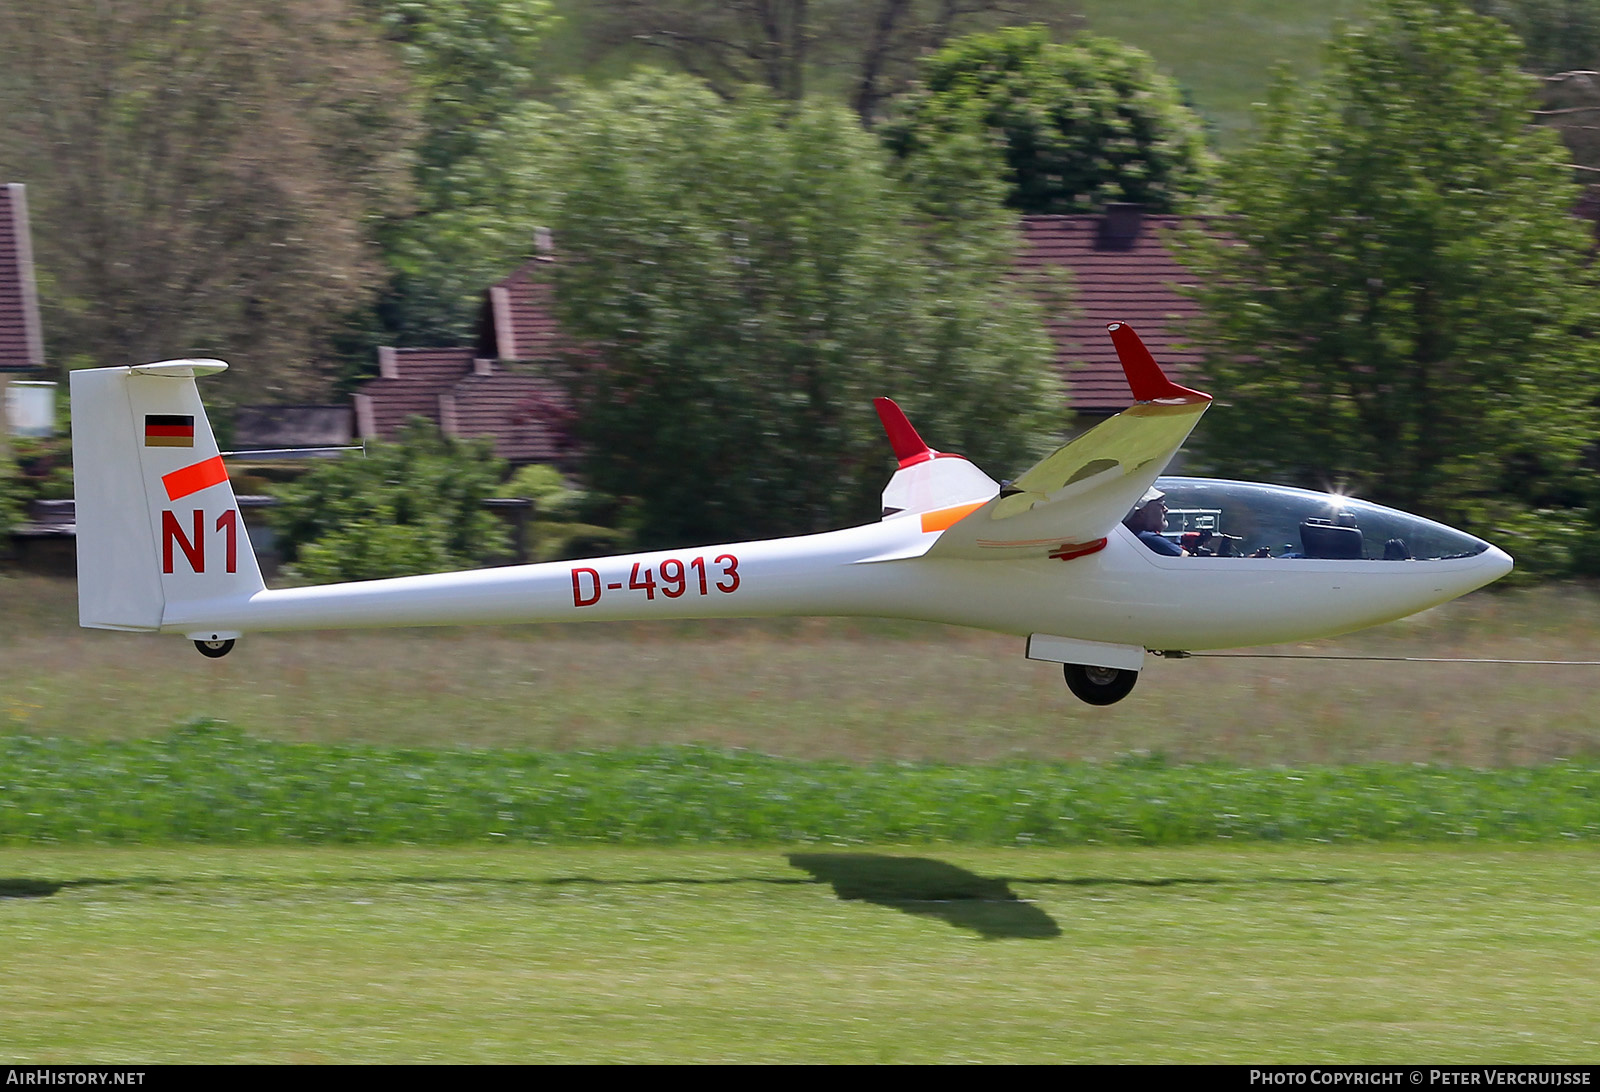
x,y
909,448
1145,378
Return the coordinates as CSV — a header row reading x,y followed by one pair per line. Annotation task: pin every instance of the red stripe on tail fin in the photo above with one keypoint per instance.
x,y
194,477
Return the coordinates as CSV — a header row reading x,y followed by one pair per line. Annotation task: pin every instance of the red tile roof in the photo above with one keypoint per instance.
x,y
21,340
522,414
1128,278
466,396
521,324
440,367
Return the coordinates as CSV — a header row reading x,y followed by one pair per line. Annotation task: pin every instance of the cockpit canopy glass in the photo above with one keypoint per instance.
x,y
1218,518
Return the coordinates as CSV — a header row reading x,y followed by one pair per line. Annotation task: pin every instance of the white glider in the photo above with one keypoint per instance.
x,y
162,547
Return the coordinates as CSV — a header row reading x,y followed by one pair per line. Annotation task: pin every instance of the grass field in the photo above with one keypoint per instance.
x,y
854,691
931,954
804,950
1223,52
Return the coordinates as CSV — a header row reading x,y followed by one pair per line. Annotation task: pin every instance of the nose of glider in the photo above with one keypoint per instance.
x,y
1495,564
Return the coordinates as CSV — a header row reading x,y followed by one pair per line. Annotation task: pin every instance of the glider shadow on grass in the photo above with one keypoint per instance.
x,y
930,888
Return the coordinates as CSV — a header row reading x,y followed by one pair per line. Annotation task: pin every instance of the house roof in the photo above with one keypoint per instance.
x,y
21,339
522,414
466,396
1121,271
1119,263
518,321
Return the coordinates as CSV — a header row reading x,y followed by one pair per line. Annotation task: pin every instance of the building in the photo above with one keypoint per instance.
x,y
21,336
1118,262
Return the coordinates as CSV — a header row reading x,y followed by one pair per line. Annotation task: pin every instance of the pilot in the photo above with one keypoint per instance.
x,y
1148,519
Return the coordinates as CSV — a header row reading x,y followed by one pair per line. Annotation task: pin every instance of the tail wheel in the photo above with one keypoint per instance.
x,y
214,650
1099,685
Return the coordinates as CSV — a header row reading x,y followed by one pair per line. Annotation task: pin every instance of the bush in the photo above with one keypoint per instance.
x,y
410,507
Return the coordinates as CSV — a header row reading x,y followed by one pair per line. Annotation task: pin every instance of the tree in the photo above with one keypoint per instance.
x,y
1557,35
1399,300
415,506
868,48
475,66
742,279
1081,123
204,175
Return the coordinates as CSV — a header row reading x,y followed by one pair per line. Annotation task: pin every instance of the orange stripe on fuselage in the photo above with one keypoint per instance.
x,y
942,518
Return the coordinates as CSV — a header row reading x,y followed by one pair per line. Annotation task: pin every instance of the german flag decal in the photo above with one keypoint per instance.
x,y
168,430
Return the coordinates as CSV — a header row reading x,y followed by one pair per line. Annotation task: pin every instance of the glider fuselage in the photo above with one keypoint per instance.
x,y
1123,593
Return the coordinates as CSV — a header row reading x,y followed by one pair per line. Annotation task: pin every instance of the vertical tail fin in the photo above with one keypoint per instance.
x,y
158,525
927,479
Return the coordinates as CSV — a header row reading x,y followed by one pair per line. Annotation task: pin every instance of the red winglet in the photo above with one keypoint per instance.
x,y
908,446
1145,377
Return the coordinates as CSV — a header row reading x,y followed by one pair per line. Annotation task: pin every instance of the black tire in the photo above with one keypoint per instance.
x,y
1099,685
214,650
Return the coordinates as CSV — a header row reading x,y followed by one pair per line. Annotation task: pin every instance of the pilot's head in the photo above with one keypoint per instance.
x,y
1150,514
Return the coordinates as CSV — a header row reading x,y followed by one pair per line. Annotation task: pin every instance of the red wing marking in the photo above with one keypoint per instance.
x,y
1069,550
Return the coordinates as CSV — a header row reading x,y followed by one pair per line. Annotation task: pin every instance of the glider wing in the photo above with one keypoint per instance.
x,y
1066,505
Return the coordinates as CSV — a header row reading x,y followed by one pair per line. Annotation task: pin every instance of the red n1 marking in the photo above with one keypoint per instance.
x,y
228,523
194,549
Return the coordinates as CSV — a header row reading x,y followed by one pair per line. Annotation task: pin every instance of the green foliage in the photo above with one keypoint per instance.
x,y
866,50
10,504
203,176
1557,35
544,485
478,219
43,468
1082,124
207,782
1401,300
751,276
472,62
410,507
474,65
568,522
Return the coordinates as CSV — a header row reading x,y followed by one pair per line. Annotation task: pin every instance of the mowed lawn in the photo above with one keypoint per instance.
x,y
1212,953
857,690
900,954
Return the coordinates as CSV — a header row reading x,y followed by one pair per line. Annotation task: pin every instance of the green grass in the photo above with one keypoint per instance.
x,y
800,946
927,955
1223,52
208,783
824,689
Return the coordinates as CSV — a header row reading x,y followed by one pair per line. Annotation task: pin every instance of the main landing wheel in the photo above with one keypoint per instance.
x,y
214,650
1099,685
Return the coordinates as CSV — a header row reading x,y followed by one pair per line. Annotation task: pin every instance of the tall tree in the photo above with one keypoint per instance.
x,y
1400,297
1080,123
203,175
474,65
868,49
743,279
1557,35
